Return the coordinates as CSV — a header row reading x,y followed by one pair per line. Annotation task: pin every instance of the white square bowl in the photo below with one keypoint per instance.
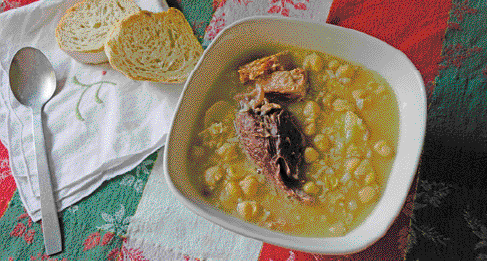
x,y
244,35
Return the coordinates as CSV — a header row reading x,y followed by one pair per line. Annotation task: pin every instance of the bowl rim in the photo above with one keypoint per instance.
x,y
307,248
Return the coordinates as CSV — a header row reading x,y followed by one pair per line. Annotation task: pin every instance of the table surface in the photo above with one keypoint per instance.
x,y
444,217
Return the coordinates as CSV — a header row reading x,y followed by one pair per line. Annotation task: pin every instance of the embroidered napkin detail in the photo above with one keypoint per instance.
x,y
99,84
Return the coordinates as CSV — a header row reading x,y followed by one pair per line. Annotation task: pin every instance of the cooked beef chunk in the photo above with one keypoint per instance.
x,y
264,66
273,141
291,84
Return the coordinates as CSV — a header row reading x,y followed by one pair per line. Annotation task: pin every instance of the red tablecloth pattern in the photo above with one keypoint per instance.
x,y
417,28
7,183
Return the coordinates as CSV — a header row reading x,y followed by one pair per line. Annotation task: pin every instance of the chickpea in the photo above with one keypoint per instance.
x,y
350,164
230,193
330,171
354,151
360,104
235,174
227,151
309,121
310,155
328,99
216,128
366,194
363,169
333,64
382,148
321,142
358,94
369,178
335,86
329,74
331,182
311,109
213,175
313,62
344,71
341,105
311,188
310,129
350,120
248,209
249,186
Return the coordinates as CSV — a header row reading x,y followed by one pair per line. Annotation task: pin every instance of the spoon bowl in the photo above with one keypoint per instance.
x,y
30,67
33,83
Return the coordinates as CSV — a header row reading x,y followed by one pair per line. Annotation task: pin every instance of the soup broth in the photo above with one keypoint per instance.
x,y
349,118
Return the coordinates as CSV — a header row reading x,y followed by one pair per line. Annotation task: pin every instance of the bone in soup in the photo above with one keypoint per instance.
x,y
297,141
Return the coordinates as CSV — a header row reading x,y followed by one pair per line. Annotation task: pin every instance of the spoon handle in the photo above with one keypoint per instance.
x,y
50,221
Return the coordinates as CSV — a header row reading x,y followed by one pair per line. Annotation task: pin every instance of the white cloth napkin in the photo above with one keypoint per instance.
x,y
162,228
99,125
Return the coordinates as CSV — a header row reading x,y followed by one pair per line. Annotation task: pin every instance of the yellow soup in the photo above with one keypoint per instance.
x,y
349,118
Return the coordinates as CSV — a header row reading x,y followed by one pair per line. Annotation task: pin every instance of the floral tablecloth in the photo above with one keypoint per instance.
x,y
445,216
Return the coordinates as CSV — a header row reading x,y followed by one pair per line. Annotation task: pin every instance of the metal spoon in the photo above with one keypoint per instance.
x,y
33,83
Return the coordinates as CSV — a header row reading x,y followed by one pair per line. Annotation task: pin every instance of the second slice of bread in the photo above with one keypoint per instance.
x,y
159,47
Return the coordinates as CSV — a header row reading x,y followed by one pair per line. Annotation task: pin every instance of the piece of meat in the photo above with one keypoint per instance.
x,y
273,141
252,99
291,84
263,66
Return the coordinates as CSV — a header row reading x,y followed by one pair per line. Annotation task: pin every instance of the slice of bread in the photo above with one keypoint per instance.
x,y
158,47
83,30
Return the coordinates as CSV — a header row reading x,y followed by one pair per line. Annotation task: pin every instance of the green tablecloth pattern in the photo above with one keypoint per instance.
x,y
93,229
450,221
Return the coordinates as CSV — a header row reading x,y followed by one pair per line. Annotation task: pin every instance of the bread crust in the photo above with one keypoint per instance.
x,y
156,27
66,35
